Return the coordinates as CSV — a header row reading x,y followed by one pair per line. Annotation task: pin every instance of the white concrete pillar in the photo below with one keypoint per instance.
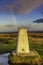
x,y
23,43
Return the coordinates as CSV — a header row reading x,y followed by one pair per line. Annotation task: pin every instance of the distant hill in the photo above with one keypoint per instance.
x,y
38,21
14,29
12,32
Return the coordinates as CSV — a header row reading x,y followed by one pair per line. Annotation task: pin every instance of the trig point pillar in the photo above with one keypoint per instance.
x,y
22,43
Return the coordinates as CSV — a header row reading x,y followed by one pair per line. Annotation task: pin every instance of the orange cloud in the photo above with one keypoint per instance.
x,y
23,6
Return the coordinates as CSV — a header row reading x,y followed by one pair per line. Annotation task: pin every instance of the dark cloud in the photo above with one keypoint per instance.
x,y
23,6
38,21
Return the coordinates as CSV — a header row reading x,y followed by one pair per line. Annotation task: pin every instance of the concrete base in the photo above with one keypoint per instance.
x,y
31,53
24,58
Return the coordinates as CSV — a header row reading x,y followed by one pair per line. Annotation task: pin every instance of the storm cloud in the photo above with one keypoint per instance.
x,y
22,6
38,21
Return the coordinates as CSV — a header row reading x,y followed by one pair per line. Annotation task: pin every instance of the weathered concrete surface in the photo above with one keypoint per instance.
x,y
23,43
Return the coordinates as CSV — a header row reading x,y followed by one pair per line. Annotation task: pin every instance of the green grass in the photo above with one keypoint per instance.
x,y
7,47
34,45
37,47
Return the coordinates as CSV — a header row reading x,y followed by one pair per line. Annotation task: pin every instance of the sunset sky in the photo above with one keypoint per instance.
x,y
21,12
